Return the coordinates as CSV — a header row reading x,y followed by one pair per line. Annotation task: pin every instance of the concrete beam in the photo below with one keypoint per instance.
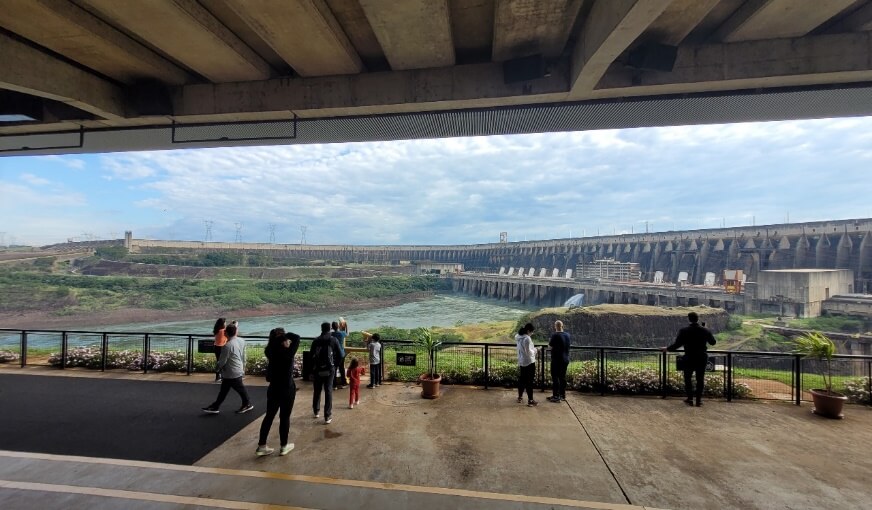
x,y
679,20
775,19
188,32
610,28
825,59
80,36
858,21
414,34
455,87
303,32
25,70
529,27
351,17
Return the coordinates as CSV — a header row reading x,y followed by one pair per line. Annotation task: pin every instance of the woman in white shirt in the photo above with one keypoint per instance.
x,y
526,364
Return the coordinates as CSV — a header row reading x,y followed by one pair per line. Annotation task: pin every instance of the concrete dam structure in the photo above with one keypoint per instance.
x,y
838,244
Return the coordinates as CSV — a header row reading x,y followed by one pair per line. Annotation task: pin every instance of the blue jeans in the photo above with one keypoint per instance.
x,y
325,382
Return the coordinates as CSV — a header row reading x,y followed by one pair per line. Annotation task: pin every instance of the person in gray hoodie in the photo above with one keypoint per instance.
x,y
231,365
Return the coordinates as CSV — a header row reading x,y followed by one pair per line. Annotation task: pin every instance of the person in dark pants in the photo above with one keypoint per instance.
x,y
232,367
340,335
526,364
695,339
325,371
280,351
220,340
559,343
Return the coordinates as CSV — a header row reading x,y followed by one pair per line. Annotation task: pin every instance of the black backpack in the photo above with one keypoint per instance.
x,y
323,358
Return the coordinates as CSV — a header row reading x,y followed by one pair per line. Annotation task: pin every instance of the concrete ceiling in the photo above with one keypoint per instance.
x,y
107,75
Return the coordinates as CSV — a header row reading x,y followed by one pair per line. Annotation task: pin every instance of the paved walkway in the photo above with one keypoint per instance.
x,y
476,448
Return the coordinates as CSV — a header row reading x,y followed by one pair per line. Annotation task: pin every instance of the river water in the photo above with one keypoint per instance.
x,y
440,310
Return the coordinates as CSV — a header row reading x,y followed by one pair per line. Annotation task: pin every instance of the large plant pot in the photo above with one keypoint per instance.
x,y
430,387
828,404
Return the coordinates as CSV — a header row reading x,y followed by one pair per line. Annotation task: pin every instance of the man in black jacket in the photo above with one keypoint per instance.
x,y
325,352
695,339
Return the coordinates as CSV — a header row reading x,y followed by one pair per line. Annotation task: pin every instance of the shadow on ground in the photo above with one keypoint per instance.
x,y
136,420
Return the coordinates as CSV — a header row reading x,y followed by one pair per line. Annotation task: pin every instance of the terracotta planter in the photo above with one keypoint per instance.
x,y
828,404
430,387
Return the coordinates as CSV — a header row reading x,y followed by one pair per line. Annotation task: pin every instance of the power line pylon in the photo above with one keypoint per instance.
x,y
272,233
208,224
238,238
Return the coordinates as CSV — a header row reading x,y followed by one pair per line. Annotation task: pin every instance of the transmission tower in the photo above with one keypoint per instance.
x,y
272,233
208,224
238,238
303,232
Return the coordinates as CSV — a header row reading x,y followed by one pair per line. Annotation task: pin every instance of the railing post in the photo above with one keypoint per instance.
x,y
486,365
63,350
729,377
23,348
869,380
602,370
104,351
190,363
146,341
664,374
797,376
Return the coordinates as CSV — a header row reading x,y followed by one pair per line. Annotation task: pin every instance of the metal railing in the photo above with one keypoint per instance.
x,y
595,369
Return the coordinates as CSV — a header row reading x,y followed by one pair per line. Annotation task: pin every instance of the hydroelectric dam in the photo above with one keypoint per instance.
x,y
836,244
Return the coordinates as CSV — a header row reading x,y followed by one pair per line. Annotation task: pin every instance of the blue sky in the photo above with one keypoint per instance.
x,y
461,190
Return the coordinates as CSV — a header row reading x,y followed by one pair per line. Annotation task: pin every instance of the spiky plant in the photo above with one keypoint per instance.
x,y
817,345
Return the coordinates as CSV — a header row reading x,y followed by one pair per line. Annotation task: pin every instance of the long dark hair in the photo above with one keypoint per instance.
x,y
219,325
276,337
353,364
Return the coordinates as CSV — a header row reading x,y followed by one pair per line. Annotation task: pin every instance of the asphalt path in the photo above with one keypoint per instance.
x,y
136,420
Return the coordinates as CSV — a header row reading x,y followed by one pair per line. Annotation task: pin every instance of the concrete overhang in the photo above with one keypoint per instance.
x,y
101,75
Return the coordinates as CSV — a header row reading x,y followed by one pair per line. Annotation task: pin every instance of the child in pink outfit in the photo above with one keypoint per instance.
x,y
353,373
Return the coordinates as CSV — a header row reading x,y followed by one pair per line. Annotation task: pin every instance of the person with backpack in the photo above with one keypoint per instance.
x,y
325,351
280,351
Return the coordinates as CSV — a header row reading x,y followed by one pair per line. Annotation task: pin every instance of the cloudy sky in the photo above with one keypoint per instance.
x,y
463,190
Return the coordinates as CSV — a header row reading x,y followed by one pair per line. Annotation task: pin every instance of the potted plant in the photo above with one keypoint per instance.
x,y
818,346
429,381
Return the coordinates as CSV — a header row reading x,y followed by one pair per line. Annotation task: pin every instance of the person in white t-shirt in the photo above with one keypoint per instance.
x,y
526,364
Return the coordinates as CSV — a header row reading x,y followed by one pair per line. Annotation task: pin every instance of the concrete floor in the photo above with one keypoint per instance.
x,y
476,448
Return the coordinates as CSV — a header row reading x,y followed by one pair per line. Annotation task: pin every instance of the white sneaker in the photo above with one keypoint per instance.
x,y
286,449
264,450
317,415
351,406
328,420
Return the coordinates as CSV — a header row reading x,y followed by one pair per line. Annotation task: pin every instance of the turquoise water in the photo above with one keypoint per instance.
x,y
440,310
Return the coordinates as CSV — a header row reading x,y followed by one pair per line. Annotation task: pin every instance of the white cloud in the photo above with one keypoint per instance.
x,y
34,180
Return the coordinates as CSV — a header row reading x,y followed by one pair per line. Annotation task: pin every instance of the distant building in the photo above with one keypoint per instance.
x,y
801,292
437,267
609,270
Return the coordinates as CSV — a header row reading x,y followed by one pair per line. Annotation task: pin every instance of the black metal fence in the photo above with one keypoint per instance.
x,y
614,370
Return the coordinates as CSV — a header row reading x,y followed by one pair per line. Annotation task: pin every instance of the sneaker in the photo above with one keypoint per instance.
x,y
555,400
329,420
316,415
532,403
370,386
286,449
210,410
245,409
264,450
351,406
357,402
688,401
520,400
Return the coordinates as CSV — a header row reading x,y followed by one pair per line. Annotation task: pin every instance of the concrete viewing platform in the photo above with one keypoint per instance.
x,y
472,448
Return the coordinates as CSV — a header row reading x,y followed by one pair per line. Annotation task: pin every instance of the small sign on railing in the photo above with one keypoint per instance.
x,y
407,359
205,346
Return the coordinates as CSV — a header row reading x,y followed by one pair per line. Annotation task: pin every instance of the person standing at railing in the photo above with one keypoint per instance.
x,y
695,339
340,335
220,340
375,369
232,367
526,364
559,343
280,351
325,351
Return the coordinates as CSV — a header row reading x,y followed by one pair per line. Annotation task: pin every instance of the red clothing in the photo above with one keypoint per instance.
x,y
220,339
354,384
354,375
